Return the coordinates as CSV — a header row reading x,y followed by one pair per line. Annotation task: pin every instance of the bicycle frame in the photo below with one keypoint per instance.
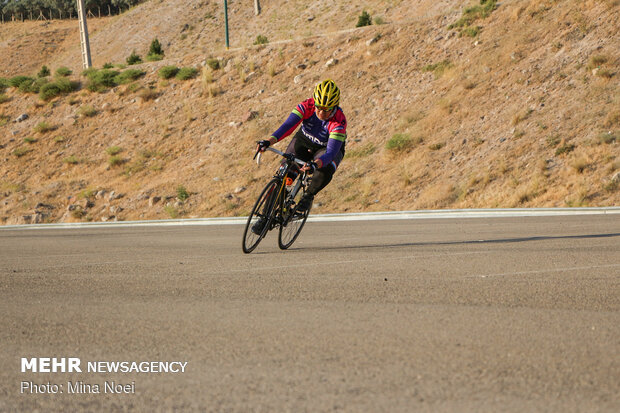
x,y
281,175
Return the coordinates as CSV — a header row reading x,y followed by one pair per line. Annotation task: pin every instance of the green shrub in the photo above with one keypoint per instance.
x,y
154,57
438,68
399,142
155,51
100,80
108,65
43,72
87,111
213,64
4,98
436,146
60,86
30,140
21,151
63,71
25,84
171,211
114,150
471,14
260,39
129,76
115,160
49,91
67,86
182,193
33,85
133,59
71,160
4,84
364,19
43,127
167,72
18,80
90,71
186,73
471,31
155,47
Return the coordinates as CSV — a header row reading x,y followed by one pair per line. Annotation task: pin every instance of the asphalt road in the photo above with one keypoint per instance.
x,y
481,315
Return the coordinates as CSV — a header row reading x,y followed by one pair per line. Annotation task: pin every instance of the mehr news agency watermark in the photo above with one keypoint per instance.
x,y
74,365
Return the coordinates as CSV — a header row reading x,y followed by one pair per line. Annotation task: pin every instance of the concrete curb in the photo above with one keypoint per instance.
x,y
362,216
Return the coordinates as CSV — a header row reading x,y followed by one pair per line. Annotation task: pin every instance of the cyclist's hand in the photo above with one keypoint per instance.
x,y
262,145
310,167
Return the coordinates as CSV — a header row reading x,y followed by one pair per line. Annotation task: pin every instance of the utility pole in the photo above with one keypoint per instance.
x,y
226,21
86,62
257,7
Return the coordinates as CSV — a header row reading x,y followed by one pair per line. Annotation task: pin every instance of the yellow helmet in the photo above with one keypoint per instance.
x,y
326,94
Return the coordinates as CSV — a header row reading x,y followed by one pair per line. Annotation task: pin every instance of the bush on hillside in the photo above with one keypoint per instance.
x,y
134,59
18,80
43,72
260,39
59,86
167,72
213,63
63,71
154,57
471,14
49,91
129,76
364,19
186,73
399,142
4,84
32,85
155,51
100,80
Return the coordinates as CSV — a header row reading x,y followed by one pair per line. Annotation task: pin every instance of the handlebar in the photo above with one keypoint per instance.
x,y
288,156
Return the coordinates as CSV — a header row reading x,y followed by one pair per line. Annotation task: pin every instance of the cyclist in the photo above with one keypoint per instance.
x,y
319,142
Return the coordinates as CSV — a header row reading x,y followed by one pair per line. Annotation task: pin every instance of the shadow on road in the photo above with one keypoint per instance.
x,y
484,241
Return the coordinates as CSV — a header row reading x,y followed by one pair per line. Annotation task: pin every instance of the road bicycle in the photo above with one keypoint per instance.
x,y
277,205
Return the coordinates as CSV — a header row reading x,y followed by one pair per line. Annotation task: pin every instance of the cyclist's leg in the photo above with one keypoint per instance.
x,y
301,151
322,177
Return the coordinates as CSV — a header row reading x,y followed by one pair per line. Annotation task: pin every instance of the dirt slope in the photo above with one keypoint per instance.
x,y
525,114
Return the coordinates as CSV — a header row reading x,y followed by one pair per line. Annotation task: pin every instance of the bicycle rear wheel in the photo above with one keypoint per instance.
x,y
262,209
292,224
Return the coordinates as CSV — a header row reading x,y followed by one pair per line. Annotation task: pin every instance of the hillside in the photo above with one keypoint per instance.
x,y
524,114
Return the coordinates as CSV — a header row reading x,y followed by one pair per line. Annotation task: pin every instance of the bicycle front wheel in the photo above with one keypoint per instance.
x,y
292,224
259,220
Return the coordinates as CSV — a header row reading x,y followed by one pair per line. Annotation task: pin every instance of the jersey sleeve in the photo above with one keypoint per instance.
x,y
289,125
301,112
337,136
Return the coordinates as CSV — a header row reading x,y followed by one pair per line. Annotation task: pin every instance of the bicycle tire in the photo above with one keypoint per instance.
x,y
292,226
263,208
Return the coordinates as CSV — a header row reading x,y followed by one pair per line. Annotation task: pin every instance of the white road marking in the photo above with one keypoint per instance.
x,y
362,216
564,269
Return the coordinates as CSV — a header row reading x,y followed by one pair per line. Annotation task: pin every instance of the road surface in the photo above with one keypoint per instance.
x,y
481,315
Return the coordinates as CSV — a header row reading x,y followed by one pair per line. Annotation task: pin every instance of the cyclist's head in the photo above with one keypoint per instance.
x,y
326,94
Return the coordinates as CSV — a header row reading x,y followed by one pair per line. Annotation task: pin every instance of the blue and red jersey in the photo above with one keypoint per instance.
x,y
330,133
